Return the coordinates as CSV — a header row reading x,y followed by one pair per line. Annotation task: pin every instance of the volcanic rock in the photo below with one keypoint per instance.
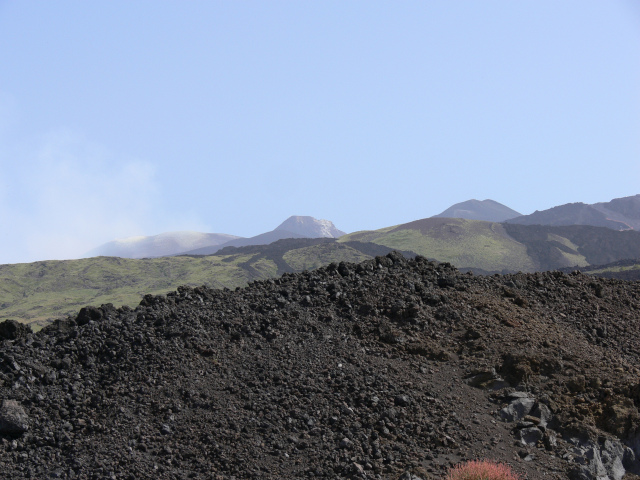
x,y
517,409
348,371
12,330
13,418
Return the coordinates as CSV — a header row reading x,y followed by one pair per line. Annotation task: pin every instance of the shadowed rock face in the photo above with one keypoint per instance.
x,y
386,369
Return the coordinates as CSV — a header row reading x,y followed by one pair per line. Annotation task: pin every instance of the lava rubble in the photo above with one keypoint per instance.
x,y
388,369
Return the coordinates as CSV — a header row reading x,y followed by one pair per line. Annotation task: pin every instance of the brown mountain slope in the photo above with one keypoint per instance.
x,y
569,214
575,245
618,214
625,210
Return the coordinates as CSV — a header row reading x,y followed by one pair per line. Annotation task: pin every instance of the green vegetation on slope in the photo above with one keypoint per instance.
x,y
569,253
622,270
553,247
627,268
464,243
34,292
39,291
308,258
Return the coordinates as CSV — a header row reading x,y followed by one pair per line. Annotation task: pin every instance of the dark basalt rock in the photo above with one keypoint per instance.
x,y
13,330
379,370
88,314
13,418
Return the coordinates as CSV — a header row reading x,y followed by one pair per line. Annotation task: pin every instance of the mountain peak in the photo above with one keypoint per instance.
x,y
167,243
310,227
488,210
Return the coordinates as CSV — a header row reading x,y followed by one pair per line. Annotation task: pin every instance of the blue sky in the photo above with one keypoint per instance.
x,y
122,118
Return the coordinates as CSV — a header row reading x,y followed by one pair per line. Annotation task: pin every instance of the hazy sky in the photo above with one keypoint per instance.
x,y
122,118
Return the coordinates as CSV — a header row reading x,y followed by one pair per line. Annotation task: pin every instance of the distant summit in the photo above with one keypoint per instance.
x,y
292,227
263,239
618,214
159,245
310,227
198,243
487,210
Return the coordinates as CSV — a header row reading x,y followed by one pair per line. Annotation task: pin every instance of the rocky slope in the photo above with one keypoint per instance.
x,y
622,270
385,369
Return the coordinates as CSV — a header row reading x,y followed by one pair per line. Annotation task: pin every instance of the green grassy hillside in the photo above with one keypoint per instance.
x,y
499,247
317,255
37,292
622,270
575,245
464,243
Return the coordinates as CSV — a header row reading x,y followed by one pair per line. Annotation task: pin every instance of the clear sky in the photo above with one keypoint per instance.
x,y
122,118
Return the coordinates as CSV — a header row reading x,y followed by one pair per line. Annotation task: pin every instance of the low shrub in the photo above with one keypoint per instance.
x,y
482,470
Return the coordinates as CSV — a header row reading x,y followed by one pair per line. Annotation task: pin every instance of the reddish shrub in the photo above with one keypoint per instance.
x,y
482,470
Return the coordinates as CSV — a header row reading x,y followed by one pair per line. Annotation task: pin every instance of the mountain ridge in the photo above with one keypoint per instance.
x,y
158,245
618,214
38,291
198,243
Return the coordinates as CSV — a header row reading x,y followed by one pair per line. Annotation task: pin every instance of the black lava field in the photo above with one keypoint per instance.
x,y
389,369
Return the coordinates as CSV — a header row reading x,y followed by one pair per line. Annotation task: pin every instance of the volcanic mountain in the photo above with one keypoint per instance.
x,y
618,214
387,369
198,243
310,227
158,245
488,210
293,227
40,291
